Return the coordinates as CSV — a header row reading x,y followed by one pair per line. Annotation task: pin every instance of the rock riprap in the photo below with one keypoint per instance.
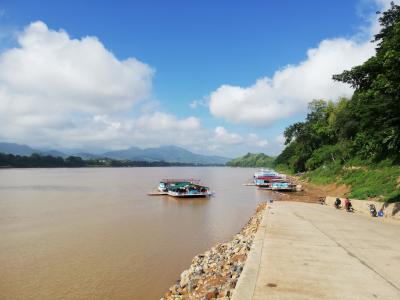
x,y
214,274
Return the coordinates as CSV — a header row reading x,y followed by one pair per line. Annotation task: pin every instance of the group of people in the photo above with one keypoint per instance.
x,y
349,207
347,204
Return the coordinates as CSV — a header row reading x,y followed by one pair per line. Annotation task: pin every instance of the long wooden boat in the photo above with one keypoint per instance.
x,y
283,186
265,177
166,184
183,188
270,180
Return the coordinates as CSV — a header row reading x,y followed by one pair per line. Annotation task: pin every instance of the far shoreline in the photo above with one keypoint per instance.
x,y
109,167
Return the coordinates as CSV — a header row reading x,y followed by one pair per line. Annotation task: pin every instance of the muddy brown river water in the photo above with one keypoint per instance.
x,y
95,234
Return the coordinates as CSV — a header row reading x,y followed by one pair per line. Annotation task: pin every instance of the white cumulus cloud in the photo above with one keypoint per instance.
x,y
291,88
118,132
165,122
50,72
200,103
51,81
225,137
255,140
56,91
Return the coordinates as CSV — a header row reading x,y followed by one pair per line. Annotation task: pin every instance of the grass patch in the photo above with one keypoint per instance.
x,y
373,181
325,174
284,169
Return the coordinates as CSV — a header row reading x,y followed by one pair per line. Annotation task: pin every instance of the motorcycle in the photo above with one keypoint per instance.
x,y
372,210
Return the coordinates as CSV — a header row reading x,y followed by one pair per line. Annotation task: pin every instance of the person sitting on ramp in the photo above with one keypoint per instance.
x,y
338,203
348,205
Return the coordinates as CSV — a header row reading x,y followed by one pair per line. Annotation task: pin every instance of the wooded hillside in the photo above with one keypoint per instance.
x,y
340,138
252,160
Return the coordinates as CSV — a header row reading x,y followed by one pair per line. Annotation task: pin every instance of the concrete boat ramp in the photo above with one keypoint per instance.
x,y
312,251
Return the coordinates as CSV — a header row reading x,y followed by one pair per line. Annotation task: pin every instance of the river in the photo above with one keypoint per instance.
x,y
93,233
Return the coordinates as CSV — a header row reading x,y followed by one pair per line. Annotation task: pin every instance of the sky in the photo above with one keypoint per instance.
x,y
215,77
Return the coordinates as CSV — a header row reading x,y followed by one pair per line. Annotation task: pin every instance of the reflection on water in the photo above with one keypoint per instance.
x,y
185,201
95,234
45,187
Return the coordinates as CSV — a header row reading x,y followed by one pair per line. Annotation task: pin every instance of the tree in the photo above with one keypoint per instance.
x,y
375,105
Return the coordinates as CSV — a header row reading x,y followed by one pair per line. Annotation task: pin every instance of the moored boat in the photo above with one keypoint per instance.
x,y
184,188
271,180
283,186
265,177
166,184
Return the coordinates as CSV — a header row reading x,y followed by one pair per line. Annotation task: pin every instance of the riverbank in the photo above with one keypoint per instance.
x,y
370,181
311,192
214,274
10,161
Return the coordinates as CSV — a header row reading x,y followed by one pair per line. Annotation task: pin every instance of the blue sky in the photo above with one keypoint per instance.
x,y
222,54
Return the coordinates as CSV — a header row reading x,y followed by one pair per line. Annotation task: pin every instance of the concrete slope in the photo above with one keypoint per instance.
x,y
310,251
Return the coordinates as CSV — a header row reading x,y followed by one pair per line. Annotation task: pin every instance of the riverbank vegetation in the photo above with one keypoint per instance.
x,y
252,160
47,161
355,141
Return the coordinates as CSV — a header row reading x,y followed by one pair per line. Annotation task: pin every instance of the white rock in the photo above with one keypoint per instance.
x,y
184,278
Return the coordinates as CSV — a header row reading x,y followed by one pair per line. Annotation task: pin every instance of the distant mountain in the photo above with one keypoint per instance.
x,y
124,154
170,154
17,149
85,155
252,160
165,153
55,153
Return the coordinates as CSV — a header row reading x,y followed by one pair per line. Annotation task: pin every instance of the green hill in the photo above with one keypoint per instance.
x,y
252,160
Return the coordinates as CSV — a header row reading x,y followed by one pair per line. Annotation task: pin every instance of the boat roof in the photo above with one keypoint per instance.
x,y
181,184
187,180
268,173
265,172
185,184
272,178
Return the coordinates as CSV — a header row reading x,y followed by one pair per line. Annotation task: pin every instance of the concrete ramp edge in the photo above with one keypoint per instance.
x,y
246,284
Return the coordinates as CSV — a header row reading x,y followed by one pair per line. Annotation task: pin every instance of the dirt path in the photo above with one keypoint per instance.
x,y
311,193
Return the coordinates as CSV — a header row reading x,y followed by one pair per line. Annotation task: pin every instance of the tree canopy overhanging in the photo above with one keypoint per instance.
x,y
366,126
355,141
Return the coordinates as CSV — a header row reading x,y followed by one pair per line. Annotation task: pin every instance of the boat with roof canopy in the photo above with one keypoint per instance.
x,y
270,180
183,188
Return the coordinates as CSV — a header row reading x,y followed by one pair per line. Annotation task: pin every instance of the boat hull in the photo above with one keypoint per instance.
x,y
283,189
185,195
264,187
